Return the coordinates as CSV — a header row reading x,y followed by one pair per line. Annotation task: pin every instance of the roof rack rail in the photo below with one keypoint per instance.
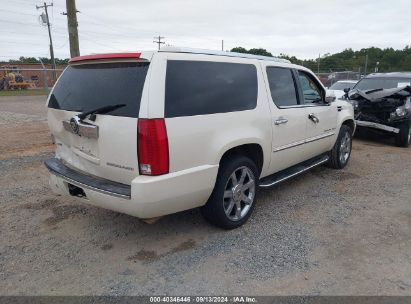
x,y
220,53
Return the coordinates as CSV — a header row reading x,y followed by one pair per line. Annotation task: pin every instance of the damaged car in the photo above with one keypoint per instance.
x,y
385,109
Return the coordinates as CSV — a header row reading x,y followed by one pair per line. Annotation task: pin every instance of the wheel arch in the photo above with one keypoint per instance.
x,y
253,150
349,123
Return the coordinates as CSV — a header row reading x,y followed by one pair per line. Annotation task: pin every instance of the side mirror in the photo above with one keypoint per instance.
x,y
329,97
346,90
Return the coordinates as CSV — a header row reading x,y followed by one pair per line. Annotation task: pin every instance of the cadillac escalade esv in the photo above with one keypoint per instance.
x,y
154,133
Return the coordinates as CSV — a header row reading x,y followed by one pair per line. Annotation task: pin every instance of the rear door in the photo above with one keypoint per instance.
x,y
106,146
288,118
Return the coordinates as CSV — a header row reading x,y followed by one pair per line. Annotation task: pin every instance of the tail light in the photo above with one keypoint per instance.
x,y
152,146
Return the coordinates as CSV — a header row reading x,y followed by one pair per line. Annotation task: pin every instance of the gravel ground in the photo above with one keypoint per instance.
x,y
327,232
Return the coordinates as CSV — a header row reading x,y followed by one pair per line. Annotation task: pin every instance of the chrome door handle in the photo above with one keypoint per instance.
x,y
280,121
313,118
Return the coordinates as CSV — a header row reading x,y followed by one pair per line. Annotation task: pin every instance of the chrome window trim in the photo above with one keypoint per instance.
x,y
305,106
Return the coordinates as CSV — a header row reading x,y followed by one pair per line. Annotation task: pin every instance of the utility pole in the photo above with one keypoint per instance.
x,y
366,64
318,64
53,62
158,41
222,45
72,27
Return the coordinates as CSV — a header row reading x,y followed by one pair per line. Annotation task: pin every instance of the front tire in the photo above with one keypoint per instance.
x,y
232,200
403,139
341,152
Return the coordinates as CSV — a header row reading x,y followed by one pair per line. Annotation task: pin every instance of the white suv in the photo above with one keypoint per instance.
x,y
153,133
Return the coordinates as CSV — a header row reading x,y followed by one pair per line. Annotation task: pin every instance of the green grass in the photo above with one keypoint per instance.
x,y
35,92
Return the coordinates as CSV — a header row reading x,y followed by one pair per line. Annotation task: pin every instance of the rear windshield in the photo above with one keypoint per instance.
x,y
382,83
90,86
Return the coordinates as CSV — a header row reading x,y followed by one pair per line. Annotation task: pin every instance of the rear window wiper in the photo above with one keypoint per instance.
x,y
101,110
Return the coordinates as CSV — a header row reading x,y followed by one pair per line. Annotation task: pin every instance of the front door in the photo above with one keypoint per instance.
x,y
321,117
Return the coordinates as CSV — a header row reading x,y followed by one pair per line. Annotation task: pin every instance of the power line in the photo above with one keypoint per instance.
x,y
21,43
101,44
119,28
108,34
12,21
93,37
15,12
23,2
158,41
37,34
29,24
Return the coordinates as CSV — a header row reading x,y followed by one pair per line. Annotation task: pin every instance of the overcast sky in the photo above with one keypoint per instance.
x,y
293,27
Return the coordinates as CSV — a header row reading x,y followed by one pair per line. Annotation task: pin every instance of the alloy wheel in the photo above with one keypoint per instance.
x,y
239,193
345,148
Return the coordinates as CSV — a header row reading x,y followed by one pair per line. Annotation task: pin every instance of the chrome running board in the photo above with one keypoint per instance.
x,y
286,174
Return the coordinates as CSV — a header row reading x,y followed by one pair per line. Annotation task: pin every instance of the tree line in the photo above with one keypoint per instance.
x,y
386,60
45,60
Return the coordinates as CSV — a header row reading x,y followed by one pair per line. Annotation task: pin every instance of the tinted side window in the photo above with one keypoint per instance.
x,y
311,91
203,87
282,86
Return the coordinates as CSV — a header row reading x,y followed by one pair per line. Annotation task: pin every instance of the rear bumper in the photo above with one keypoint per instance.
x,y
146,196
57,168
374,125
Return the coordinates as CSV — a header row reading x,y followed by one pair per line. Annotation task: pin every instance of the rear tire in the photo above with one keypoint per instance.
x,y
232,200
341,152
403,138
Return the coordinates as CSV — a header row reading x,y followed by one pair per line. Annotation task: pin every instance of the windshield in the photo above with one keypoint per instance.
x,y
87,87
342,85
382,83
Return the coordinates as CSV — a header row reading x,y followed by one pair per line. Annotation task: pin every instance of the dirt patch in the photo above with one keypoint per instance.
x,y
344,175
187,245
61,213
24,130
44,204
151,255
357,148
144,255
25,139
107,247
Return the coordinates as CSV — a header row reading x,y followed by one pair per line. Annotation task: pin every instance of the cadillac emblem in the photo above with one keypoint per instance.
x,y
74,125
